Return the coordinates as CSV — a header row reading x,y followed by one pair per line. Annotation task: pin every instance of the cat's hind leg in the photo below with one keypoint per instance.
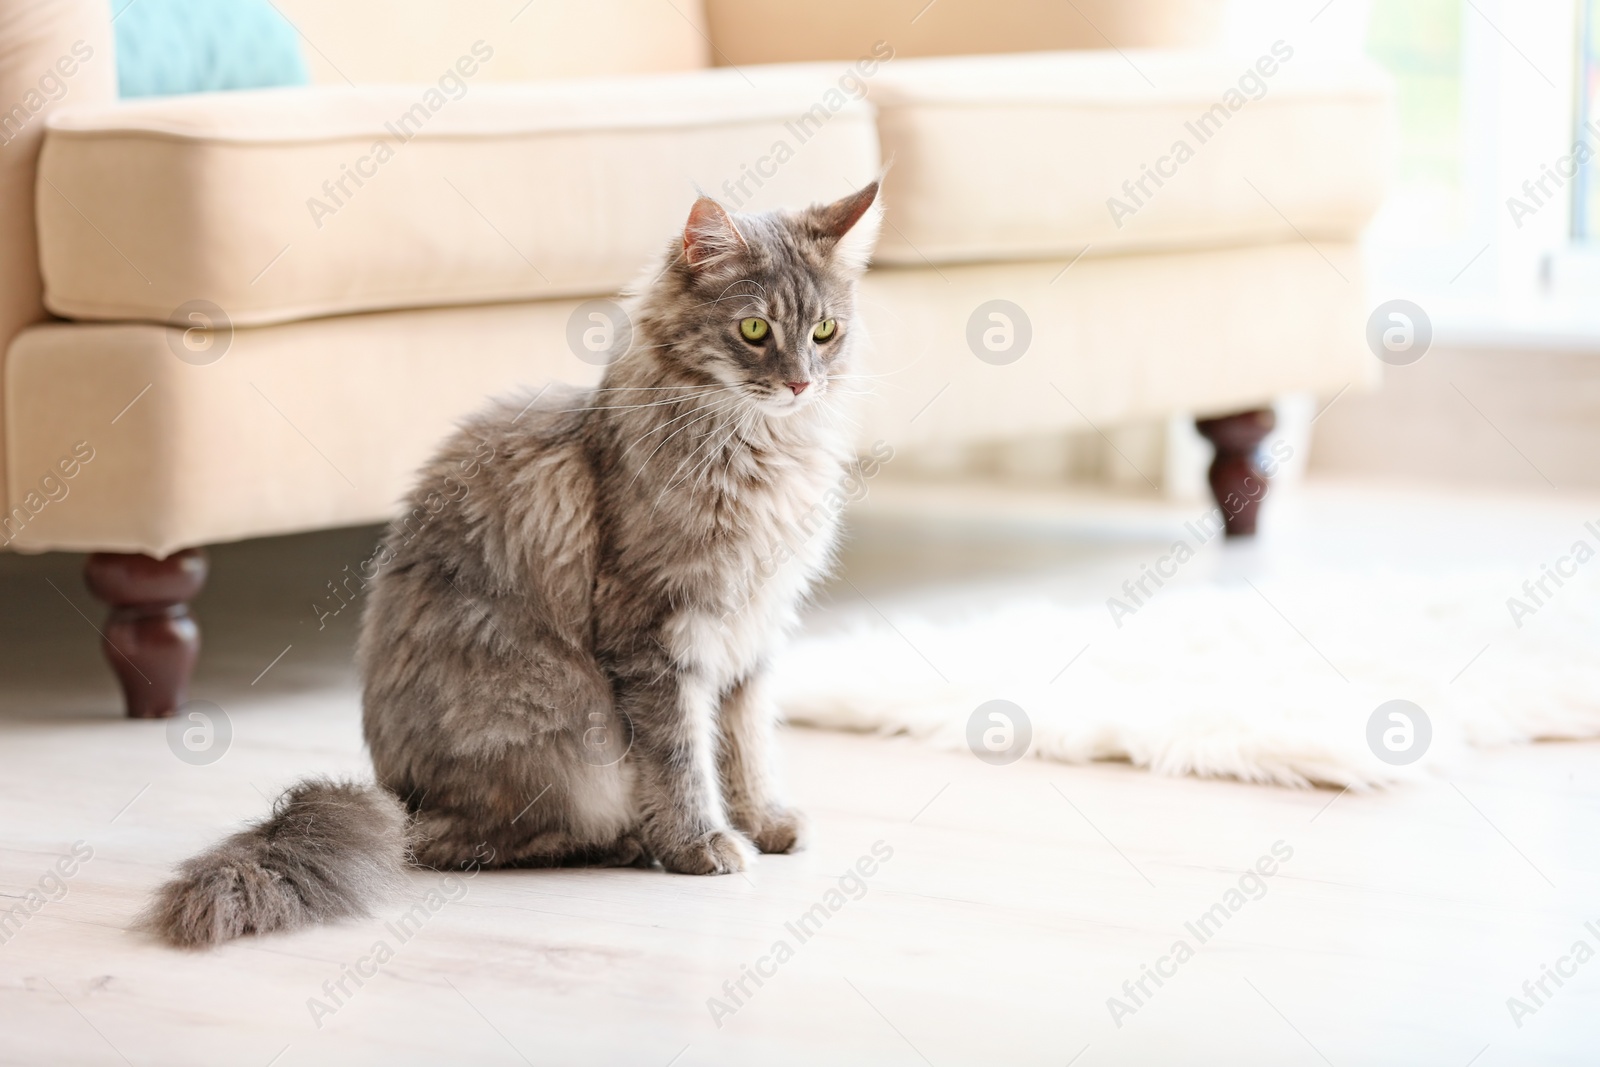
x,y
540,804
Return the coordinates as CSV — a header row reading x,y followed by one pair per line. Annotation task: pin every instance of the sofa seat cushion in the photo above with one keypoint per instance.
x,y
989,352
284,204
1048,154
299,426
306,425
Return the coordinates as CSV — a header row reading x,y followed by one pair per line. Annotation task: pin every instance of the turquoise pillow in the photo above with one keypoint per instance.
x,y
196,46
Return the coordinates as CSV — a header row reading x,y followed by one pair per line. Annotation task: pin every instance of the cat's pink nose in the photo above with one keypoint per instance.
x,y
797,387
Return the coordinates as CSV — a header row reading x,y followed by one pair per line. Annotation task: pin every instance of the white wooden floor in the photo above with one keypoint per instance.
x,y
1016,901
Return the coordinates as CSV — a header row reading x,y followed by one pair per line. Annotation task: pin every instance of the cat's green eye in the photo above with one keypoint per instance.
x,y
754,330
825,330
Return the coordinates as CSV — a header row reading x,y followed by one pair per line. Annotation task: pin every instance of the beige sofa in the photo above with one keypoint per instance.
x,y
244,314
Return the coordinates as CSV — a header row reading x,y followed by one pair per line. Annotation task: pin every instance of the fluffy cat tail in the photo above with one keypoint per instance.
x,y
329,850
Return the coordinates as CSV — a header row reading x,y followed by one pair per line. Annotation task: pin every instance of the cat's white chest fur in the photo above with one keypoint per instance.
x,y
790,537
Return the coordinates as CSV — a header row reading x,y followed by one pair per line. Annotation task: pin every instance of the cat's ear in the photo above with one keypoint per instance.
x,y
710,238
850,226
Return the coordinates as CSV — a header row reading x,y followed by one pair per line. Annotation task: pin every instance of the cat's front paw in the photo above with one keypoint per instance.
x,y
715,852
774,830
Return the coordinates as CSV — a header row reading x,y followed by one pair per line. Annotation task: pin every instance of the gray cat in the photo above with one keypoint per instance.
x,y
564,647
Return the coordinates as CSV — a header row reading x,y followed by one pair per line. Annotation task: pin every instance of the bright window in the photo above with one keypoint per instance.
x,y
1419,43
1586,190
1487,224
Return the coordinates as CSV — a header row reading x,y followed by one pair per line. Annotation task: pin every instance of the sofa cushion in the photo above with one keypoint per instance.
x,y
323,423
783,31
365,42
277,429
977,352
997,158
288,203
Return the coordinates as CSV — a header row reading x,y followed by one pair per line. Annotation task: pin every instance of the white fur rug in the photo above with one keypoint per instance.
x,y
1268,682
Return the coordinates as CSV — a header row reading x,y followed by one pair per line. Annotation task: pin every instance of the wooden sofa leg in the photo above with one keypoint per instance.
x,y
150,638
1237,480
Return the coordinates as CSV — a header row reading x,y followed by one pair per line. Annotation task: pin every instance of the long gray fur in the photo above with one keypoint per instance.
x,y
329,850
564,651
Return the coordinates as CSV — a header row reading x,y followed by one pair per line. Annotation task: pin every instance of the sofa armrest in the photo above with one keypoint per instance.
x,y
55,51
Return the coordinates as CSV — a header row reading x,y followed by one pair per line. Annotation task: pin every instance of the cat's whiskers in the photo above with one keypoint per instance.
x,y
752,417
647,348
707,413
841,413
735,427
676,478
733,453
850,388
653,403
841,422
854,387
630,407
712,448
662,426
876,379
758,286
882,374
647,388
724,295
